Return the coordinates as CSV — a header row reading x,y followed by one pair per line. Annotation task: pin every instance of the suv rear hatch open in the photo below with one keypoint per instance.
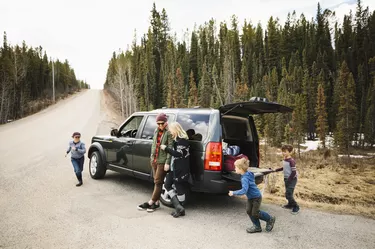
x,y
255,105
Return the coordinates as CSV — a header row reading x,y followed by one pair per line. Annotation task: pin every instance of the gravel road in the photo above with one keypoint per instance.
x,y
40,207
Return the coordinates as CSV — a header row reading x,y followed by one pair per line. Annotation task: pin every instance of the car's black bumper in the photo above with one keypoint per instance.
x,y
213,182
216,182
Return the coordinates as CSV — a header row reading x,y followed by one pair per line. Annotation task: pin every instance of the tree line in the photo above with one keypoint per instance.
x,y
26,80
322,69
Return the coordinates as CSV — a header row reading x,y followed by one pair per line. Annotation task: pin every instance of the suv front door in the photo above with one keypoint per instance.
x,y
142,146
120,152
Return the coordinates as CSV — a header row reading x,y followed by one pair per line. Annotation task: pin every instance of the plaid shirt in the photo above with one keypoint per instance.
x,y
158,139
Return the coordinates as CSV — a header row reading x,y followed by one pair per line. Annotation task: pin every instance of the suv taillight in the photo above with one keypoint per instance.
x,y
214,156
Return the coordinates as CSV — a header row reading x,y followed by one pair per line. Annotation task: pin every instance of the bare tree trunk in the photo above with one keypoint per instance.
x,y
15,84
4,93
2,102
233,81
120,83
134,99
131,91
347,136
21,103
126,92
7,116
218,91
147,95
3,108
121,98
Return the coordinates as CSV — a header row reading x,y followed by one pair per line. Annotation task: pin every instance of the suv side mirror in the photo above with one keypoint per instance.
x,y
114,132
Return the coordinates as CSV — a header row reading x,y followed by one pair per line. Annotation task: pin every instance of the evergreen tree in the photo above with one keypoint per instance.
x,y
299,117
204,99
273,57
179,89
347,110
283,63
26,80
241,93
193,92
171,92
369,127
320,110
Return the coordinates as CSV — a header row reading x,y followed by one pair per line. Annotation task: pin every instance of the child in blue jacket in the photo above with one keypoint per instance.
x,y
254,198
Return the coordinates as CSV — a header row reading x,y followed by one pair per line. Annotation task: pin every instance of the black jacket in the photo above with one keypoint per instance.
x,y
181,161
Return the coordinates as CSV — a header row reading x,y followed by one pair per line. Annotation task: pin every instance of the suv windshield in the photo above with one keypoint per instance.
x,y
197,122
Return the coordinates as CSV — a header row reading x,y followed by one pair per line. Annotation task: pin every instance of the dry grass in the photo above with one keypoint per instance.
x,y
326,182
112,109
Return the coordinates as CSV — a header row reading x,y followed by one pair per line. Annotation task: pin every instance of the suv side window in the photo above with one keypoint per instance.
x,y
149,128
130,129
196,125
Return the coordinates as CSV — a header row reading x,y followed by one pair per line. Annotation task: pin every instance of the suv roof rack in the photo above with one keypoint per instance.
x,y
259,99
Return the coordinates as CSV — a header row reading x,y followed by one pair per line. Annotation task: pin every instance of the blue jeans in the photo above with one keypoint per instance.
x,y
252,209
262,216
289,191
78,167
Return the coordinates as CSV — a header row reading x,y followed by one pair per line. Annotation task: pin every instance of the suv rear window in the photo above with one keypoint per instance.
x,y
197,122
236,128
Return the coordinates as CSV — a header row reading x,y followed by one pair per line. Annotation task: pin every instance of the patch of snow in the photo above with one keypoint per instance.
x,y
316,144
311,145
355,156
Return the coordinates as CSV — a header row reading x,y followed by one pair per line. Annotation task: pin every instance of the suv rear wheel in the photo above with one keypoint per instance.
x,y
97,168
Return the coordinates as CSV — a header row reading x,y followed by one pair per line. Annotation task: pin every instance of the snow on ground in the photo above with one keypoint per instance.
x,y
310,145
356,156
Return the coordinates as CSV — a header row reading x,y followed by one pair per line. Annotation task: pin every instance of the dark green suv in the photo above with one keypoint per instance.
x,y
127,149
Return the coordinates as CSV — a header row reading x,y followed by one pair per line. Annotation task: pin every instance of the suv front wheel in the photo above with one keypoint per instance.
x,y
96,167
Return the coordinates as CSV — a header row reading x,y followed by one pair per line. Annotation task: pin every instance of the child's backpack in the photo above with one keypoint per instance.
x,y
229,162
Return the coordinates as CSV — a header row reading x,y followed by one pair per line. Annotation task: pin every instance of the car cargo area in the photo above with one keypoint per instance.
x,y
238,139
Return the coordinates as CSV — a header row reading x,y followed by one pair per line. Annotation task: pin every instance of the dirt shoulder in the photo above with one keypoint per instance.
x,y
110,114
326,183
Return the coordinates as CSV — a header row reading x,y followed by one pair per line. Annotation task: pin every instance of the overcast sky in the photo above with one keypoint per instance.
x,y
86,32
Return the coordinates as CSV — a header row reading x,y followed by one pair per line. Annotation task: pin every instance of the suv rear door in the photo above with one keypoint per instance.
x,y
253,106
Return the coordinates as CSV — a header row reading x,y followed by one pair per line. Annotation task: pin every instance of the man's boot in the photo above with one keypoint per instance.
x,y
79,177
179,209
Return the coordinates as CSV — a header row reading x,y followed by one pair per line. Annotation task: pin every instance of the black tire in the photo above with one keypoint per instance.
x,y
166,201
97,168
